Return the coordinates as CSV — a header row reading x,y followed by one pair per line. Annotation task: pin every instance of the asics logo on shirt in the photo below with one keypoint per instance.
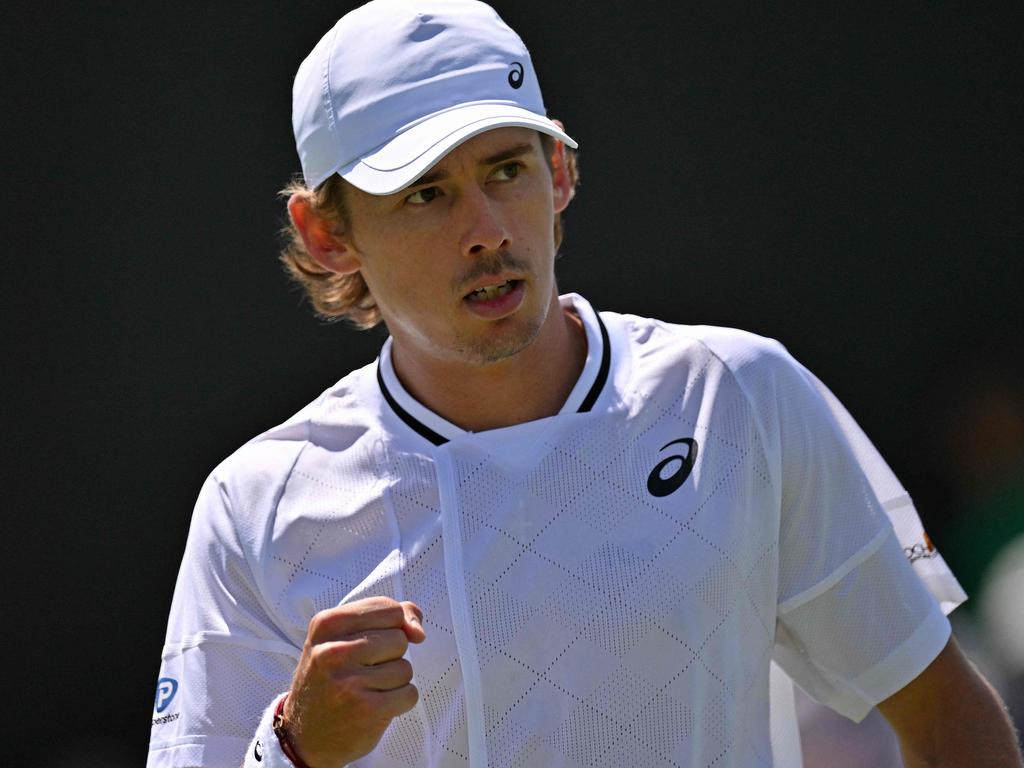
x,y
672,471
257,751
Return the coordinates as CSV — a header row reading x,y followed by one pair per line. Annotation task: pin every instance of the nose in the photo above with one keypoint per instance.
x,y
485,230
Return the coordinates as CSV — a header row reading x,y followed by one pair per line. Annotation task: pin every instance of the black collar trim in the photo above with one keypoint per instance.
x,y
588,402
419,427
602,372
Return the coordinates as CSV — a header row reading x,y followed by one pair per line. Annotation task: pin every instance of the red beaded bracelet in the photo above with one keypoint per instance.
x,y
282,736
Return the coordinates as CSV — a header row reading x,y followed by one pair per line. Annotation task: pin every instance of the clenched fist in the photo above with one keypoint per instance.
x,y
352,680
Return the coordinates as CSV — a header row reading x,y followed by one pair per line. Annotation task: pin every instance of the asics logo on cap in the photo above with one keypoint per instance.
x,y
515,77
257,751
659,484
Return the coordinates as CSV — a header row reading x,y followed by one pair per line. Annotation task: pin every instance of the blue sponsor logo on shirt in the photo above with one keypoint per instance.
x,y
166,687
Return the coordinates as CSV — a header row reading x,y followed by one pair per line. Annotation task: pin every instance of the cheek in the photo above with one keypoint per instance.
x,y
403,274
539,208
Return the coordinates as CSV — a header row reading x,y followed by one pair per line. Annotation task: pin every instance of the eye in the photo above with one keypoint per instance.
x,y
508,171
423,196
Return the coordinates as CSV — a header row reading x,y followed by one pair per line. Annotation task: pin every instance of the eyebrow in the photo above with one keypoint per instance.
x,y
506,154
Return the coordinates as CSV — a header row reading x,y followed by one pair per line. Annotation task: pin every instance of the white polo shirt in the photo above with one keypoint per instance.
x,y
608,586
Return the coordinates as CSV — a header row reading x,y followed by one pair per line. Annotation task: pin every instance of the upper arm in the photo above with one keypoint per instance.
x,y
225,656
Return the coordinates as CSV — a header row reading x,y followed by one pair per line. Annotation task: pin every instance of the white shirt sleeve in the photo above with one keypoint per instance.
x,y
855,623
225,658
925,560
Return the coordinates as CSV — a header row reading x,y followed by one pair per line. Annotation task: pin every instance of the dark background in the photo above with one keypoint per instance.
x,y
846,180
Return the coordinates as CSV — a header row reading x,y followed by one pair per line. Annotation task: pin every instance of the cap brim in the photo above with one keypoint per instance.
x,y
415,150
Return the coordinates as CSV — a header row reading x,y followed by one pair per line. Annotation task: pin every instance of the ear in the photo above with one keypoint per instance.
x,y
324,240
561,179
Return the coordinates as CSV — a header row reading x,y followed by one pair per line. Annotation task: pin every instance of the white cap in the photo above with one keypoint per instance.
x,y
397,84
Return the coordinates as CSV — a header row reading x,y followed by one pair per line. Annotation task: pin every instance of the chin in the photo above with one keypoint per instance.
x,y
506,340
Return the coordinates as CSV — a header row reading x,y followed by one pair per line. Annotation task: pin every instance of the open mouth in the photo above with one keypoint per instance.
x,y
491,292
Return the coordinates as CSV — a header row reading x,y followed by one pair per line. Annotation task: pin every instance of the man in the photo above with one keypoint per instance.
x,y
531,534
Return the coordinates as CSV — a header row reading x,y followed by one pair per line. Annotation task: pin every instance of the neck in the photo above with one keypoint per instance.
x,y
529,385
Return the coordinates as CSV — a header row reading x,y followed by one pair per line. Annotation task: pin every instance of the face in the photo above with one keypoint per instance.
x,y
461,263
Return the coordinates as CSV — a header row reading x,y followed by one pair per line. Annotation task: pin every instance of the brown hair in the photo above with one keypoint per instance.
x,y
347,297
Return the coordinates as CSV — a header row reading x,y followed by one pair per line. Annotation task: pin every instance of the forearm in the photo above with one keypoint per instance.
x,y
984,738
951,717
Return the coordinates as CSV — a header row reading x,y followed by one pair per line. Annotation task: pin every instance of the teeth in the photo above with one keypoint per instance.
x,y
491,291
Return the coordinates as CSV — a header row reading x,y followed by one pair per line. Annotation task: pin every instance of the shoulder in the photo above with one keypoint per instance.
x,y
743,353
337,418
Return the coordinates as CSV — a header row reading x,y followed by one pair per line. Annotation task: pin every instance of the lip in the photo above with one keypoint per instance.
x,y
486,280
500,306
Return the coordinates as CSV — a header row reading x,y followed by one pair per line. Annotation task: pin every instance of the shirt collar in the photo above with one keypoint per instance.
x,y
581,399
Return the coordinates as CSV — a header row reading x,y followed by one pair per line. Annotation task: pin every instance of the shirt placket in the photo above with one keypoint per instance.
x,y
462,618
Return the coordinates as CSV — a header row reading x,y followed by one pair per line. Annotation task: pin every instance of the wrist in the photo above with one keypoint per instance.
x,y
284,739
266,749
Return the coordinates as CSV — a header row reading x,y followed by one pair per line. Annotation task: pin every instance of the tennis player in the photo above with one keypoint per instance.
x,y
532,533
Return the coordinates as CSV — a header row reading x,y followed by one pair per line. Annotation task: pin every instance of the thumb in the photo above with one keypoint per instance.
x,y
413,622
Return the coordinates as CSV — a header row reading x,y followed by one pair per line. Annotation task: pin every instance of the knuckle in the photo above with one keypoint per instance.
x,y
374,613
358,642
384,644
315,625
349,693
333,656
357,696
405,671
411,696
321,657
400,640
322,624
375,604
408,604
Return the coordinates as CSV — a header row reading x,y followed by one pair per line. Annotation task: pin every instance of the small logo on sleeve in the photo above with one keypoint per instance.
x,y
660,483
257,751
924,550
515,77
166,687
